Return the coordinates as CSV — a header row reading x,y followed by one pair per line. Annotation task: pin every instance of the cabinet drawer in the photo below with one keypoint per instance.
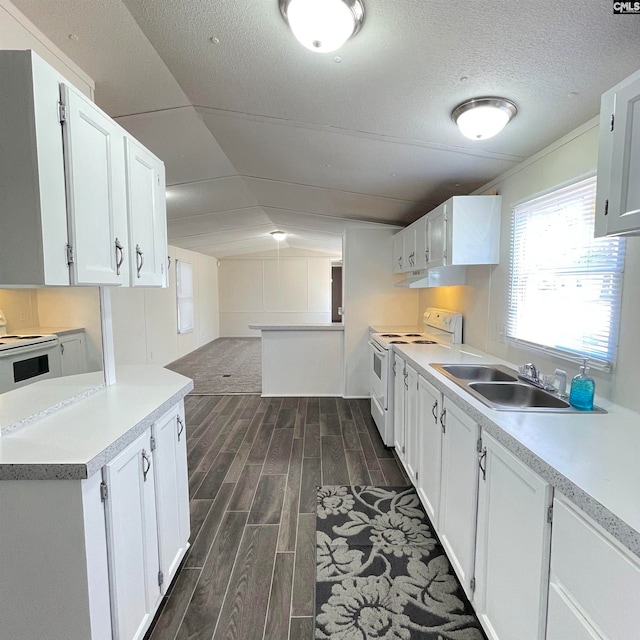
x,y
598,574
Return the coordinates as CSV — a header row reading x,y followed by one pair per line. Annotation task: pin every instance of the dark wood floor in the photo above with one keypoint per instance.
x,y
254,464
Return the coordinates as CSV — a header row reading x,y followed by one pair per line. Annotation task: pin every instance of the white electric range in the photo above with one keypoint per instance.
x,y
442,328
27,358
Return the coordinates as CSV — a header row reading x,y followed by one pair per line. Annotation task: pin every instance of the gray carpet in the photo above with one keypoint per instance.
x,y
381,573
224,366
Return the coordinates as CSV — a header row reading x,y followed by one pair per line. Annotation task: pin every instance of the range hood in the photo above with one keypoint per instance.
x,y
434,277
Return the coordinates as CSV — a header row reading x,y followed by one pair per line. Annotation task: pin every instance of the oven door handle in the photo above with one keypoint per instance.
x,y
377,348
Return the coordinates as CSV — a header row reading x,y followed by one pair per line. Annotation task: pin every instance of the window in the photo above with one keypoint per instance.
x,y
184,290
565,285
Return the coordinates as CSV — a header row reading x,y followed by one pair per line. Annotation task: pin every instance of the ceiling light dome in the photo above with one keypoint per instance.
x,y
279,235
482,118
323,25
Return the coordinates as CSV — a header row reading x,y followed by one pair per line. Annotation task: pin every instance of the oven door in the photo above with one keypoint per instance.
x,y
22,366
378,372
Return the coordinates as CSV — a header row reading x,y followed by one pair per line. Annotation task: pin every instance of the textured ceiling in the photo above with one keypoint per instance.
x,y
258,132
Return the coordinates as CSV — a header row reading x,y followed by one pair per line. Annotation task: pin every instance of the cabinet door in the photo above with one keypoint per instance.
x,y
459,487
421,243
96,198
73,355
429,448
398,253
619,158
566,620
172,490
399,388
147,225
132,539
410,248
512,546
411,424
437,236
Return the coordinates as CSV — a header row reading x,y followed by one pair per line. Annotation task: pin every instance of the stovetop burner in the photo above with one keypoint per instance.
x,y
424,342
390,335
398,342
23,337
412,335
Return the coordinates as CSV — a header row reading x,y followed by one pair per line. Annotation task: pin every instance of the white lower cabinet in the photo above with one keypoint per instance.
x,y
595,583
429,448
73,353
411,425
512,546
132,539
399,393
459,489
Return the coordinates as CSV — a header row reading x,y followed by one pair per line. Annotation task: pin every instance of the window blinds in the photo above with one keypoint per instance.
x,y
565,285
184,292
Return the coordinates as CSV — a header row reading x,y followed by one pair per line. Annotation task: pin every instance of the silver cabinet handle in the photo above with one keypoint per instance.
x,y
61,348
406,384
168,262
139,259
180,427
145,458
434,409
119,256
442,420
482,457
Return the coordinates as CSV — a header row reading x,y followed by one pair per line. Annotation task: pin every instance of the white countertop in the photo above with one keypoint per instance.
x,y
75,441
58,331
594,459
310,326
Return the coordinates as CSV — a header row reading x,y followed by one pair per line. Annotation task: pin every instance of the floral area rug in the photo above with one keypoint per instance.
x,y
381,573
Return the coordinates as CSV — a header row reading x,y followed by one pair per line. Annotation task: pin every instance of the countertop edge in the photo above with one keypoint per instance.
x,y
298,327
614,525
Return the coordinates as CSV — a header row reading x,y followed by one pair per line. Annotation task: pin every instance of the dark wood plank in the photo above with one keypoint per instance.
x,y
301,629
377,478
328,405
195,480
392,473
198,510
260,444
300,418
200,548
217,445
289,520
236,437
350,435
290,403
242,497
268,500
313,411
212,482
277,459
251,407
344,410
204,609
312,441
330,424
334,462
277,625
167,624
376,440
311,478
271,414
357,465
357,416
233,475
369,452
305,567
286,419
244,610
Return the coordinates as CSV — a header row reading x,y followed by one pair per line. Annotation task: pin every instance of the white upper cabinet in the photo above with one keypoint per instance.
x,y
74,187
618,190
437,237
398,253
421,243
147,216
96,201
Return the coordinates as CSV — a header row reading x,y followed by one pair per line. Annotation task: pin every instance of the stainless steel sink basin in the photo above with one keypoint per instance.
x,y
518,395
499,388
480,372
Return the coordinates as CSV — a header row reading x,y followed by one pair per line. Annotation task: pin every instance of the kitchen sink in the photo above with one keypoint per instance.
x,y
479,372
499,388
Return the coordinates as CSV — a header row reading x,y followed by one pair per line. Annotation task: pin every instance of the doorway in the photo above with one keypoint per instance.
x,y
336,293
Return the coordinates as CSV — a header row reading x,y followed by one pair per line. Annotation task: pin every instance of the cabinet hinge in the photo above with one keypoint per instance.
x,y
606,207
62,112
479,445
69,254
152,443
416,476
472,585
613,120
550,514
104,491
160,578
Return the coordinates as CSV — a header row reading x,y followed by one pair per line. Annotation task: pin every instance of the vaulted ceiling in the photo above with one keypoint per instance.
x,y
259,134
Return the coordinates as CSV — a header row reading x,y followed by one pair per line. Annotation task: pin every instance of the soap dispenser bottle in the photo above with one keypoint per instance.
x,y
583,388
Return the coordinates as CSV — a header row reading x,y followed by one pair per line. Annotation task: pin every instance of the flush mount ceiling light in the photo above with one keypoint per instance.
x,y
279,235
323,25
483,118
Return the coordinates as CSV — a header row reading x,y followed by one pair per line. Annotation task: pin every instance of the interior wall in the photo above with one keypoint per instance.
x,y
370,298
293,287
145,324
484,301
74,307
20,308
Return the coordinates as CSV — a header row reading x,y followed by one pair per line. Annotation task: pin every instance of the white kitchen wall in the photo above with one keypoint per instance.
x,y
264,288
20,308
370,298
484,301
145,328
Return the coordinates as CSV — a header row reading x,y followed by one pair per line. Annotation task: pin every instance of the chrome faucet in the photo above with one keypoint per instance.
x,y
530,371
